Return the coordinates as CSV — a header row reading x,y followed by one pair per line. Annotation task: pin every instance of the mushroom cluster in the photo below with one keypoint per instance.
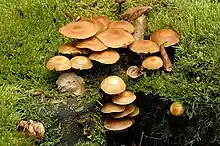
x,y
121,110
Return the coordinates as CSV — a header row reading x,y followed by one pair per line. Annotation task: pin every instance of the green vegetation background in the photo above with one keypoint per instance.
x,y
29,37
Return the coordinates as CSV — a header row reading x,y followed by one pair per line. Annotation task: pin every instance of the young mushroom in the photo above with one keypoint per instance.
x,y
135,112
177,109
105,57
81,29
134,72
152,63
70,48
128,110
113,85
112,108
81,63
115,38
124,98
59,63
122,25
144,46
118,124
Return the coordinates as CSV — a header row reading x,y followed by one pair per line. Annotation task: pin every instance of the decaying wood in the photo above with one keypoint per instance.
x,y
167,65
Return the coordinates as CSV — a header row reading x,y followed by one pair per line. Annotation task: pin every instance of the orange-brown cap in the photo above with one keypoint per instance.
x,y
123,25
69,48
81,62
165,35
105,57
135,112
112,108
177,109
118,124
81,29
59,63
144,46
152,62
113,85
115,38
104,20
92,43
124,98
128,110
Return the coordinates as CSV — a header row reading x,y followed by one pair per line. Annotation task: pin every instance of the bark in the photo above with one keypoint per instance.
x,y
140,27
167,65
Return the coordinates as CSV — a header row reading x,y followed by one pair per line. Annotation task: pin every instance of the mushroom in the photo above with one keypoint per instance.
x,y
93,44
112,108
81,29
118,124
122,25
58,63
144,46
124,98
165,38
103,19
177,109
69,48
134,72
81,62
152,62
115,38
135,112
128,110
113,85
105,57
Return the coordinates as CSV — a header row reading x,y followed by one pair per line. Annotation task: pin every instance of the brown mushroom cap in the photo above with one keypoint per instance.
x,y
69,48
177,109
128,110
135,112
113,85
165,35
144,46
81,62
152,62
124,98
92,43
112,108
81,29
103,19
105,57
118,124
59,63
123,25
115,37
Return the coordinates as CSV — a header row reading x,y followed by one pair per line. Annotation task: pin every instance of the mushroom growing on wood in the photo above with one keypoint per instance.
x,y
81,29
93,44
128,110
113,85
165,38
70,48
134,72
124,98
123,25
144,46
105,57
112,108
118,124
59,63
152,62
115,38
81,63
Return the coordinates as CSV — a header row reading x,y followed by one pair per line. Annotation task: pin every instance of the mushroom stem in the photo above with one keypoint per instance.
x,y
140,27
167,65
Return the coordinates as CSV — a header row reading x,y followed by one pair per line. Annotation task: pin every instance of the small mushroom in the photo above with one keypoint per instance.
x,y
103,19
144,46
124,98
81,62
112,108
81,29
105,57
118,124
113,85
122,25
93,44
128,110
135,112
69,48
58,63
115,38
134,72
177,109
152,62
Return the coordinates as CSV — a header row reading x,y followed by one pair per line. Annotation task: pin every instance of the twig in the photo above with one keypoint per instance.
x,y
142,135
156,138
